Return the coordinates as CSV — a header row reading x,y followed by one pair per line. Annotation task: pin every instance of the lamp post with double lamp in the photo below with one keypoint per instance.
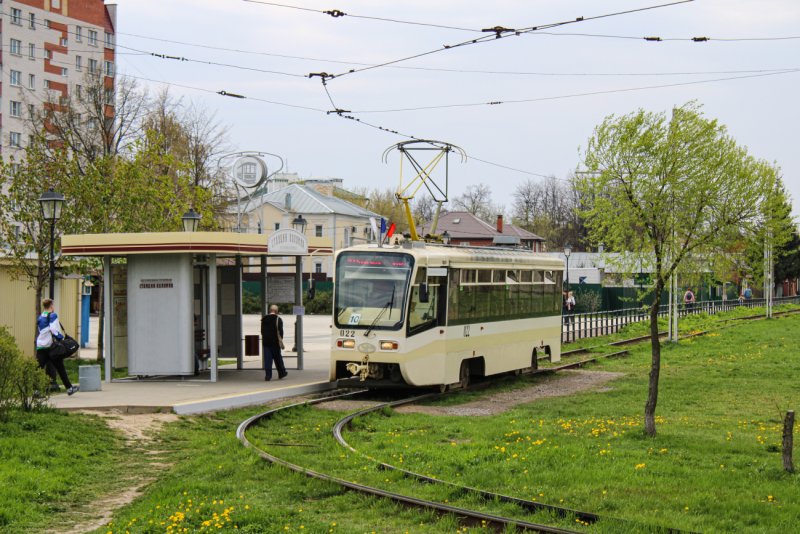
x,y
190,220
51,203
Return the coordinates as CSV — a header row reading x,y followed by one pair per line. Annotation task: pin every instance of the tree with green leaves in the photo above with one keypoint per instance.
x,y
776,230
107,195
673,189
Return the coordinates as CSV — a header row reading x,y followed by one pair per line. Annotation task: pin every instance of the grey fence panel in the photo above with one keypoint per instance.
x,y
577,326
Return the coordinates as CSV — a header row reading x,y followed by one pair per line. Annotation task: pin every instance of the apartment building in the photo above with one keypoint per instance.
x,y
49,47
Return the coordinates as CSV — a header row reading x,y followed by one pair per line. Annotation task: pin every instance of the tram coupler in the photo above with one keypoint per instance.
x,y
361,369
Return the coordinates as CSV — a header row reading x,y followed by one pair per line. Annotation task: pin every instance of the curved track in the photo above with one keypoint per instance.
x,y
464,513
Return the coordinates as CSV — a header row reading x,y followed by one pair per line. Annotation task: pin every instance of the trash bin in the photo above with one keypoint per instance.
x,y
89,377
251,345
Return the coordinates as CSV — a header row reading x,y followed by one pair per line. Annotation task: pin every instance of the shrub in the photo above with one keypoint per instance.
x,y
32,384
321,304
22,383
587,301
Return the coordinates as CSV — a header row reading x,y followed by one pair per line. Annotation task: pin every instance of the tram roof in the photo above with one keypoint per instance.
x,y
470,257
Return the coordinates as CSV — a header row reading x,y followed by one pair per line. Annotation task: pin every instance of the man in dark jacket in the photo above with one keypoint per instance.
x,y
272,343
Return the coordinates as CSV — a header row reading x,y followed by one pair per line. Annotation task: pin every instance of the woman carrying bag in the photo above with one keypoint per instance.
x,y
50,333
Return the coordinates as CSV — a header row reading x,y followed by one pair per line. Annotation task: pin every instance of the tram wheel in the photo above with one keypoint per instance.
x,y
463,375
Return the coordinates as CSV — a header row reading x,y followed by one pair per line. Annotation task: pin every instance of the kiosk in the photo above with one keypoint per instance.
x,y
172,300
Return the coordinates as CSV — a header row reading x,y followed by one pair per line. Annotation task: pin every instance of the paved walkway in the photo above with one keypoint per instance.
x,y
233,389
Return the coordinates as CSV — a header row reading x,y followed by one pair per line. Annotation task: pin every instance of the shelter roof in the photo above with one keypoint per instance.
x,y
224,243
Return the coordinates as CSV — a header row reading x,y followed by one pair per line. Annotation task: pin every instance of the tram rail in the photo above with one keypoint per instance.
x,y
466,515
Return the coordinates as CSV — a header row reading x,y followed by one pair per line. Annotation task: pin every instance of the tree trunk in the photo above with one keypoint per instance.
x,y
101,323
788,441
655,365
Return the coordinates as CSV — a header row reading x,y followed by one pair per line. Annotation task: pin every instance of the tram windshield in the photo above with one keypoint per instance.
x,y
371,289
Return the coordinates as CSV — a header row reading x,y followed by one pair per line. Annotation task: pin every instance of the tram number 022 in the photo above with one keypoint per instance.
x,y
347,333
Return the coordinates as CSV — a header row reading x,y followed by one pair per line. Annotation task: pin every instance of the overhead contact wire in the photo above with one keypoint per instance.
x,y
501,33
575,95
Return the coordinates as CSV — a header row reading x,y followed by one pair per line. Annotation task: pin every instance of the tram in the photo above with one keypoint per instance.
x,y
433,315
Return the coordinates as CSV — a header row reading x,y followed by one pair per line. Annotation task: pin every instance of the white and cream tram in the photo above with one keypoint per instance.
x,y
433,315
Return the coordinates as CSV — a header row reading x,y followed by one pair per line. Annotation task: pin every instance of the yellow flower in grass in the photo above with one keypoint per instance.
x,y
641,466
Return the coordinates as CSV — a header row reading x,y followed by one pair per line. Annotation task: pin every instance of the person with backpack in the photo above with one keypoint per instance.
x,y
272,343
49,332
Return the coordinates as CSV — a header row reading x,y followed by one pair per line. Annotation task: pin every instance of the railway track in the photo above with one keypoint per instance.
x,y
465,515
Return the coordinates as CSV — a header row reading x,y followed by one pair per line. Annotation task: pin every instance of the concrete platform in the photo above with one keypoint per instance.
x,y
233,389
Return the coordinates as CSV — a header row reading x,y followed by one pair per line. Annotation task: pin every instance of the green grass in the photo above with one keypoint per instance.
x,y
51,463
714,466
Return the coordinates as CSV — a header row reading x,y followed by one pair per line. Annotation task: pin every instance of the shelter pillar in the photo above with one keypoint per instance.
x,y
298,301
212,314
108,341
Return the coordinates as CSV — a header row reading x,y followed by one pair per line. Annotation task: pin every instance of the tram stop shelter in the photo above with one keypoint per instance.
x,y
173,300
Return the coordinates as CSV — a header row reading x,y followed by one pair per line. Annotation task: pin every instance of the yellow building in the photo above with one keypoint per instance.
x,y
18,307
331,223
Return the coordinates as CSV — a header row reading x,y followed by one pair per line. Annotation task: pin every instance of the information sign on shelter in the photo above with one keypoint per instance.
x,y
288,242
280,289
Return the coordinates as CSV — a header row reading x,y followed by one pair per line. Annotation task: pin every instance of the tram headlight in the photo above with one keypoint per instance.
x,y
346,343
388,345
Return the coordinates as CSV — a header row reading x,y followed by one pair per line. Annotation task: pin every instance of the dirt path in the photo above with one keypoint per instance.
x,y
560,385
138,431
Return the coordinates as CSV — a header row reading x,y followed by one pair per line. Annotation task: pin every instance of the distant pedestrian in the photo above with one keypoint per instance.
x,y
571,306
272,343
688,299
49,332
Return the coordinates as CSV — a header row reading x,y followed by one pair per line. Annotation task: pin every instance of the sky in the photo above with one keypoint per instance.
x,y
550,87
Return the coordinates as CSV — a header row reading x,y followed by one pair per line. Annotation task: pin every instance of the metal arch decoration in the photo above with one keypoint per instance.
x,y
248,173
410,150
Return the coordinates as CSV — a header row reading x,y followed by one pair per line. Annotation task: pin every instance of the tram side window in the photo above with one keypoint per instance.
x,y
455,292
422,315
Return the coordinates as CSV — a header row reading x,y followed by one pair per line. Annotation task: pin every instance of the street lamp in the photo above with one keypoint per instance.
x,y
445,237
190,219
299,224
51,203
567,252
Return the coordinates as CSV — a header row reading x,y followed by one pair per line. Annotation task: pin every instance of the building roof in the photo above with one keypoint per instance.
x,y
306,200
464,225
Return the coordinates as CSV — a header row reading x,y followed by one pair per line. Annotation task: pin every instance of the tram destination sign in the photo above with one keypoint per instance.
x,y
378,260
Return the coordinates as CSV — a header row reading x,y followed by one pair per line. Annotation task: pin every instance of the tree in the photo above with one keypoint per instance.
x,y
477,200
669,189
549,208
121,144
775,229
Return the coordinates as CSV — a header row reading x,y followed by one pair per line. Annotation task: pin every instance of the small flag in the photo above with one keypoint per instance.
x,y
383,226
374,225
390,233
